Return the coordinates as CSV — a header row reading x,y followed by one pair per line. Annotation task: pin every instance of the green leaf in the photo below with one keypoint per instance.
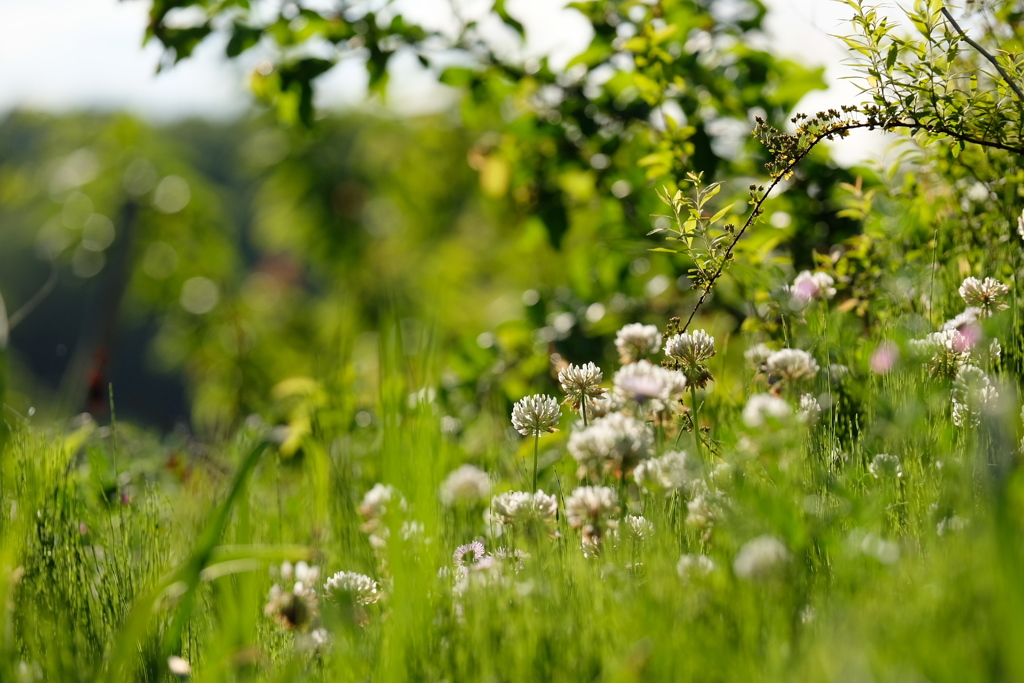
x,y
242,38
499,8
718,216
4,337
664,250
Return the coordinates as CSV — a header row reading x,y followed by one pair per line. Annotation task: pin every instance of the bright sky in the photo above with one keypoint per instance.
x,y
59,55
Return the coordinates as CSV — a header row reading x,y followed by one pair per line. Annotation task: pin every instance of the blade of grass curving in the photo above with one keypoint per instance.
x,y
186,577
4,335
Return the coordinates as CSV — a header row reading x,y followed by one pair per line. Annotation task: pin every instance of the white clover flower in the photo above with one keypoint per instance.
x,y
636,341
692,350
761,407
1020,226
948,350
376,500
581,384
648,385
791,365
809,286
466,485
757,355
516,508
636,529
592,510
352,588
885,465
691,567
760,558
295,607
178,666
534,415
606,404
591,505
986,294
473,551
703,511
951,524
970,316
615,441
973,393
670,472
809,411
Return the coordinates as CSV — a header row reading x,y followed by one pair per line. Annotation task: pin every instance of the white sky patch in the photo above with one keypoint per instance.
x,y
61,55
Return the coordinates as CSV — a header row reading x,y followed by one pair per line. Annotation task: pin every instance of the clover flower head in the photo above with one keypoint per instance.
x,y
762,407
352,588
470,553
295,607
986,294
591,504
886,465
534,415
581,384
760,558
592,510
973,393
691,567
692,350
703,510
648,385
636,341
946,351
809,411
615,441
809,286
636,528
516,508
791,365
670,472
757,355
466,485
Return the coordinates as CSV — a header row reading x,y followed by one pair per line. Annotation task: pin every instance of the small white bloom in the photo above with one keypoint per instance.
x,y
636,529
885,465
809,411
522,507
761,407
760,558
591,505
691,567
692,350
352,588
465,485
648,385
592,510
986,294
757,355
581,384
636,341
809,286
473,551
179,666
670,472
534,415
791,365
615,441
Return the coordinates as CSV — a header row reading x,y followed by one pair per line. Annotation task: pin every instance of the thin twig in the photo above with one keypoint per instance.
x,y
984,53
889,125
36,299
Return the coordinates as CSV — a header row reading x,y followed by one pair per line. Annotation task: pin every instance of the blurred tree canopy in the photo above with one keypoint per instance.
x,y
504,232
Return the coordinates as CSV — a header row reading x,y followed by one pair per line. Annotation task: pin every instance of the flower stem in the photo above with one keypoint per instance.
x,y
536,447
696,424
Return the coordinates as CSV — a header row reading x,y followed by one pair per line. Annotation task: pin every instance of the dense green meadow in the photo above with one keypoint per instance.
x,y
551,387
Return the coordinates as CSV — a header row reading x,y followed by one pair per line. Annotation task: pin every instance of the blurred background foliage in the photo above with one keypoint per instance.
x,y
198,266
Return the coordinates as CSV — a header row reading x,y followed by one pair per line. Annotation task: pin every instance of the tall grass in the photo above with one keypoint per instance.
x,y
119,550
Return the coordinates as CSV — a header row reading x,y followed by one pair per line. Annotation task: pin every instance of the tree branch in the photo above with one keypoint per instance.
x,y
1006,77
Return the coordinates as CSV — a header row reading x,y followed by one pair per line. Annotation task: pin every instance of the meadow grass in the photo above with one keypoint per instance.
x,y
120,549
